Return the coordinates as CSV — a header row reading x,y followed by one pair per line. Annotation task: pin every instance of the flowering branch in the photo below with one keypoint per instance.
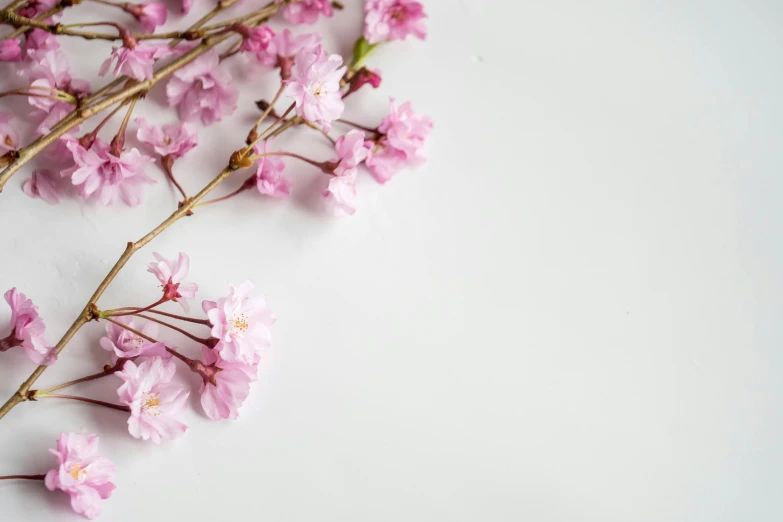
x,y
81,114
88,312
316,84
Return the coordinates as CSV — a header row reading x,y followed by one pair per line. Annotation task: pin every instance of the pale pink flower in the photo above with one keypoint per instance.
x,y
270,179
149,14
170,273
286,44
385,161
306,11
403,135
43,184
225,386
257,41
351,151
99,172
315,86
27,329
40,40
49,69
81,473
388,20
124,344
283,48
9,139
172,139
202,90
186,5
341,194
10,50
135,62
242,325
154,400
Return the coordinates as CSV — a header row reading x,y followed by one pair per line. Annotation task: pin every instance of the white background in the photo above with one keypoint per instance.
x,y
571,313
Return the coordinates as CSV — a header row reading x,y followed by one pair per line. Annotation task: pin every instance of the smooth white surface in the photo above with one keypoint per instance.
x,y
572,313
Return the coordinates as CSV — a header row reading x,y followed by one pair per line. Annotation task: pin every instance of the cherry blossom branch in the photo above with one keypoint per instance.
x,y
120,407
132,310
34,394
21,22
266,133
43,16
88,312
24,477
81,114
164,323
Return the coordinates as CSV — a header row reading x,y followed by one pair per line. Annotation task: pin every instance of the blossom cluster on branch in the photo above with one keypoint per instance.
x,y
226,339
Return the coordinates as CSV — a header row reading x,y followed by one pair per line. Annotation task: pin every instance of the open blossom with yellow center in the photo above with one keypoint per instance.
x,y
240,324
78,473
150,404
81,473
155,401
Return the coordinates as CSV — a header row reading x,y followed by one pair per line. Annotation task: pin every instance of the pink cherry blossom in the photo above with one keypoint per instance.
x,y
404,134
186,5
351,151
149,14
135,62
203,90
283,48
81,473
285,44
40,40
154,400
124,344
49,69
270,179
242,325
172,139
389,20
9,139
43,184
315,86
257,41
226,385
341,194
170,273
27,329
99,172
306,11
10,51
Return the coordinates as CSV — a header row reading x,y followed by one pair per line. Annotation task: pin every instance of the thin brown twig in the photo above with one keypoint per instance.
x,y
120,407
24,477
